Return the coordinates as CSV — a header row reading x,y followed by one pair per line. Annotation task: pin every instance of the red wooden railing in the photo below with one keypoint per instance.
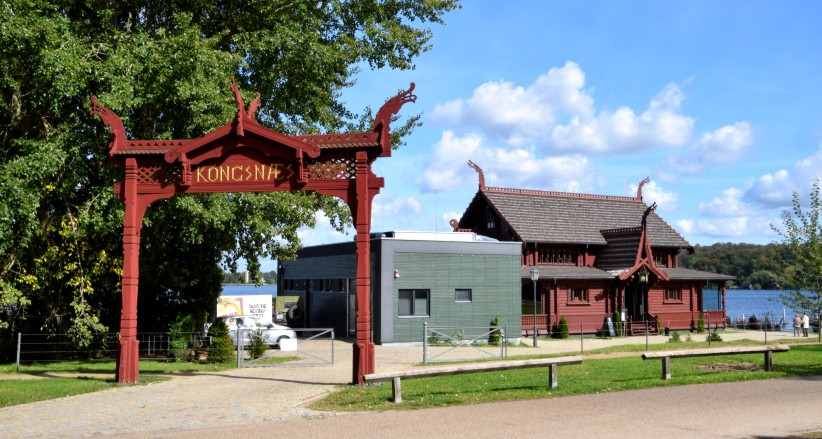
x,y
541,322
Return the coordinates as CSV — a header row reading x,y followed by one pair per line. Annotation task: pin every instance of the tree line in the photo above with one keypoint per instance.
x,y
759,267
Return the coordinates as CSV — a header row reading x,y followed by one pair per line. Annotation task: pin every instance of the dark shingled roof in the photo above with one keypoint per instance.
x,y
560,217
566,272
690,274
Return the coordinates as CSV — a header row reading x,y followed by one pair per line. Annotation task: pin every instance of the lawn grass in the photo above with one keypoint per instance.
x,y
627,348
108,366
54,380
593,376
22,391
267,361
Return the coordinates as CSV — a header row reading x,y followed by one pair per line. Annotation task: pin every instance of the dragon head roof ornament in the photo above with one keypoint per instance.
x,y
391,107
480,173
243,114
642,183
113,122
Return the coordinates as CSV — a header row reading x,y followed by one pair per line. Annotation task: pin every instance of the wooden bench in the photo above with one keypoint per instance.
x,y
395,377
666,356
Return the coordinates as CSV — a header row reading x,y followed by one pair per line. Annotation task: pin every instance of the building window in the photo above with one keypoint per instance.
x,y
556,256
462,295
414,303
578,295
661,260
673,295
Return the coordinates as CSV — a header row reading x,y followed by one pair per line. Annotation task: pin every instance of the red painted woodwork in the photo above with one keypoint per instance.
x,y
245,156
644,254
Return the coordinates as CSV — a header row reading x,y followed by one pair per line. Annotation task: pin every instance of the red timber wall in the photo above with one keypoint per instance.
x,y
681,314
588,316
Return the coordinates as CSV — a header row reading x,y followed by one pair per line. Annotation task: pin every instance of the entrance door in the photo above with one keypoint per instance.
x,y
635,301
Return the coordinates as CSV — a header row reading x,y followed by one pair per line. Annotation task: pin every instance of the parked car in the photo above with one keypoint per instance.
x,y
272,333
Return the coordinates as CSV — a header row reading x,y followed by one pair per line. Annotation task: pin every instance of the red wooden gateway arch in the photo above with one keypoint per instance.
x,y
245,156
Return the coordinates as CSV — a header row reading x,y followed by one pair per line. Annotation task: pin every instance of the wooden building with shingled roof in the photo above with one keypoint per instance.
x,y
598,257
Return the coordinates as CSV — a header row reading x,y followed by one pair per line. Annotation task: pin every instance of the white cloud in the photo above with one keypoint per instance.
x,y
728,216
556,112
725,144
384,206
513,166
776,189
653,193
729,203
685,226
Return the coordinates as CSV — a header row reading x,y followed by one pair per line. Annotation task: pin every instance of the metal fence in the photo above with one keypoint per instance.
x,y
42,348
451,343
285,347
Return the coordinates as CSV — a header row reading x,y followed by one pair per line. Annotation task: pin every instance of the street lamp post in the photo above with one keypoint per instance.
x,y
534,278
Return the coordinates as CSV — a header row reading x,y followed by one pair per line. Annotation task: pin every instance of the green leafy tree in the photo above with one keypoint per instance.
x,y
802,233
165,68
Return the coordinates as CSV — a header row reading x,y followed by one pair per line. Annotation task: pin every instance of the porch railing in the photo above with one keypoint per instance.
x,y
541,321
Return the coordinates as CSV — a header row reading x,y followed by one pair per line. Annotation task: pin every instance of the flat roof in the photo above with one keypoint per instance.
x,y
413,235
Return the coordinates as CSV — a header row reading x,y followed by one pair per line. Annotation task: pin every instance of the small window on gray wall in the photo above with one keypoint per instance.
x,y
405,302
462,295
414,303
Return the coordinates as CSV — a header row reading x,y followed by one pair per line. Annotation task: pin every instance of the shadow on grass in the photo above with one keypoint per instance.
x,y
281,380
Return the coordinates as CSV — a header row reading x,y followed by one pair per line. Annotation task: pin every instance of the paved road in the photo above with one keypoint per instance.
x,y
769,409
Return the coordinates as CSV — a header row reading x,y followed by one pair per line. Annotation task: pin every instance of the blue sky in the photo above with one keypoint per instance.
x,y
717,102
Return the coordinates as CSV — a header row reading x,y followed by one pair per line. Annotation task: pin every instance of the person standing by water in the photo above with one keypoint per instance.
x,y
806,324
797,325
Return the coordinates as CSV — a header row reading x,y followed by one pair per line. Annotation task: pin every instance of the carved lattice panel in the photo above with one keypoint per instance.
x,y
149,174
333,168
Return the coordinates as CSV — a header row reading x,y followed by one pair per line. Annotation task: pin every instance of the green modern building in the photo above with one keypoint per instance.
x,y
449,280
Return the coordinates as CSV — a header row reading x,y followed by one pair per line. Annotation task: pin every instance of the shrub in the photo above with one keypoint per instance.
x,y
561,329
494,336
753,322
221,348
675,337
258,346
700,324
179,334
714,336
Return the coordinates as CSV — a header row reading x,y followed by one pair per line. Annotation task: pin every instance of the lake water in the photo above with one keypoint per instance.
x,y
759,302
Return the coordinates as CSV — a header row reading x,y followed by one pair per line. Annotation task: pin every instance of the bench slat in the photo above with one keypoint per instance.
x,y
468,368
716,351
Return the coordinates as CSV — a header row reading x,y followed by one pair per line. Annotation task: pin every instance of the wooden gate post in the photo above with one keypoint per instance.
x,y
129,356
364,346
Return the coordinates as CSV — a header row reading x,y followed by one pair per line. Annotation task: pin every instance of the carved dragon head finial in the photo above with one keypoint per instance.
x,y
114,123
642,183
238,99
648,211
455,224
251,113
480,173
392,106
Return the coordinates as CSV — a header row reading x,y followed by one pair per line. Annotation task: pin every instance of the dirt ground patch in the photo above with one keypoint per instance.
x,y
728,367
